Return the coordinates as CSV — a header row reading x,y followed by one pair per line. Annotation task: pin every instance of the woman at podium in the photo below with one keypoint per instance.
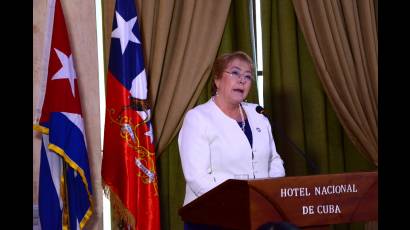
x,y
227,138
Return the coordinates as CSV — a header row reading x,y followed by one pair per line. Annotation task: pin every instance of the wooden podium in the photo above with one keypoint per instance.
x,y
305,201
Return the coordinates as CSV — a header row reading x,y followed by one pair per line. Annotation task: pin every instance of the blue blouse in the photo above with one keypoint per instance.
x,y
247,130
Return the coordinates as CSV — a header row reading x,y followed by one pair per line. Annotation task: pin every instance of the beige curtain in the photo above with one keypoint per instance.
x,y
181,40
342,38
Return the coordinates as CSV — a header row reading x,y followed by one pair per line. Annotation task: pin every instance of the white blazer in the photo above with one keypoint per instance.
x,y
213,148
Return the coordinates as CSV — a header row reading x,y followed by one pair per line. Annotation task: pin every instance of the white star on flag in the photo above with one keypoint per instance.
x,y
124,31
67,70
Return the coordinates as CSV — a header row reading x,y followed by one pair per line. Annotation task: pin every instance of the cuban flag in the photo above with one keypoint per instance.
x,y
128,166
65,192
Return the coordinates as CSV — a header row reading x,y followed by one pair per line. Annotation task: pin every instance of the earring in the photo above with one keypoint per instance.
x,y
216,93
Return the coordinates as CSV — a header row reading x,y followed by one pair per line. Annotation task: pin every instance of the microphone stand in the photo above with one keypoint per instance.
x,y
311,164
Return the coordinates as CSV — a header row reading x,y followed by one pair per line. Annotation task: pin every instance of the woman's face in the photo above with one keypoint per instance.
x,y
235,83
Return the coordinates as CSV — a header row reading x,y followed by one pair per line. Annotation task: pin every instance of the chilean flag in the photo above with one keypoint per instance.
x,y
128,166
65,192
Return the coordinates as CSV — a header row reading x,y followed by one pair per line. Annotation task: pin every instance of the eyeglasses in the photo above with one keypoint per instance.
x,y
237,75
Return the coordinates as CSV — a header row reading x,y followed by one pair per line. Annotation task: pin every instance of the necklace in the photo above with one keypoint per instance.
x,y
242,117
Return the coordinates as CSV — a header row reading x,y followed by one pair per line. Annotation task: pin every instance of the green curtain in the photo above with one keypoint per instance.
x,y
171,187
171,179
295,100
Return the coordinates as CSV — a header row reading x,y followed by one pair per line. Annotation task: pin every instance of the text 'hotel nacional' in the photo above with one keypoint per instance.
x,y
318,190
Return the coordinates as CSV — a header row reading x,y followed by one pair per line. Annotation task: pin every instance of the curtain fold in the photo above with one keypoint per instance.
x,y
180,39
342,38
282,83
296,102
295,99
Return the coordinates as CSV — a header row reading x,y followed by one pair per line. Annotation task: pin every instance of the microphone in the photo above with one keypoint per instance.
x,y
259,109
